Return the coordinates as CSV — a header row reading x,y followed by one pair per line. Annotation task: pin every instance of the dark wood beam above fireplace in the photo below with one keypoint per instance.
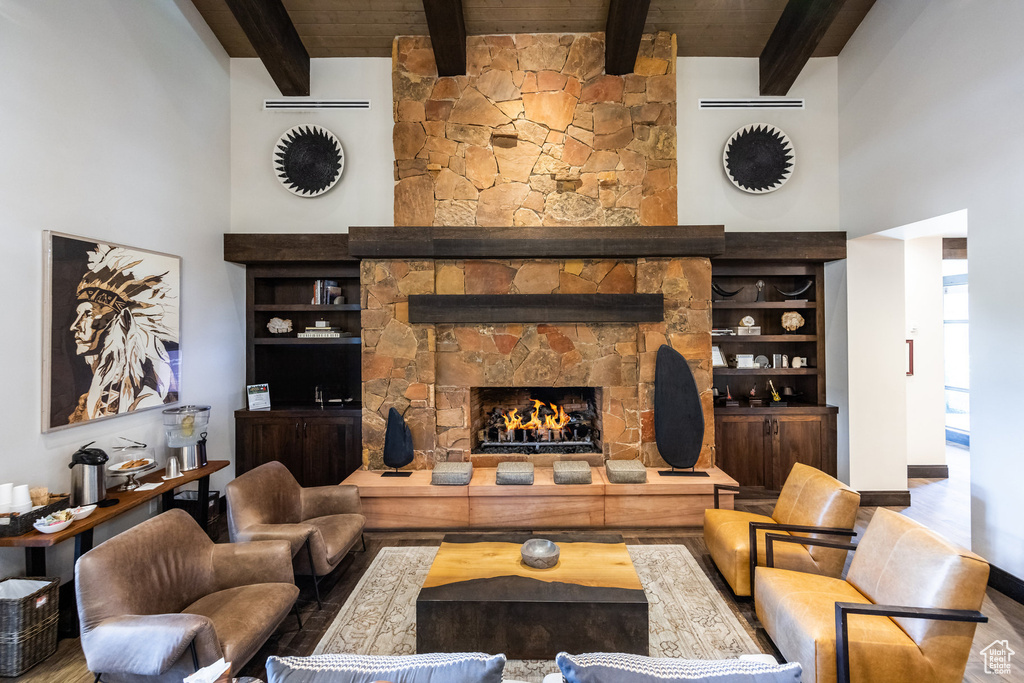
x,y
536,308
447,35
800,28
626,19
544,242
270,30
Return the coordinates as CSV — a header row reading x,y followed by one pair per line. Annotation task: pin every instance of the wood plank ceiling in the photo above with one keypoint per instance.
x,y
365,28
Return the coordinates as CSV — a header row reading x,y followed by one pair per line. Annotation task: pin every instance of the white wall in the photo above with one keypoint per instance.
x,y
363,196
810,198
930,95
115,126
877,390
926,404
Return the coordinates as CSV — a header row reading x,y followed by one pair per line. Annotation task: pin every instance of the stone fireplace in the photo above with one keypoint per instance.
x,y
429,371
535,134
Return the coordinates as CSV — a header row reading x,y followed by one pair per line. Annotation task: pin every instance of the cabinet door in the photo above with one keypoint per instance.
x,y
331,446
276,438
740,445
795,438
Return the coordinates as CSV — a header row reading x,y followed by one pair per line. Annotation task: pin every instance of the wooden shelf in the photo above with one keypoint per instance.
x,y
763,338
306,307
764,304
764,371
294,341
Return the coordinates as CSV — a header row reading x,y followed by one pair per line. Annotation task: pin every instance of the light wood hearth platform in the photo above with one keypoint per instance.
x,y
413,503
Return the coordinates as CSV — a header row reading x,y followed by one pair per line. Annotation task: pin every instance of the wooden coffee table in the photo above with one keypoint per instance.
x,y
479,596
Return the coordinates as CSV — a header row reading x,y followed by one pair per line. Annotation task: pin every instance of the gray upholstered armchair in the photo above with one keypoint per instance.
x,y
162,599
321,523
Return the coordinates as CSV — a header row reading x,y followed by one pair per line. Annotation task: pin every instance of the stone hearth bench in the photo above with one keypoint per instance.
x,y
413,503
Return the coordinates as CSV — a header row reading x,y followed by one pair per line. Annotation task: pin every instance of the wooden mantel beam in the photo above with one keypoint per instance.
x,y
801,27
626,19
270,30
442,242
447,28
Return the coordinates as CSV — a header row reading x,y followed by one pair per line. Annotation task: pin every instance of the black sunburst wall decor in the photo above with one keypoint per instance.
x,y
759,158
308,160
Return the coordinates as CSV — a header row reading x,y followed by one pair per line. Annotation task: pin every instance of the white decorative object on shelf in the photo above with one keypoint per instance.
x,y
792,321
279,325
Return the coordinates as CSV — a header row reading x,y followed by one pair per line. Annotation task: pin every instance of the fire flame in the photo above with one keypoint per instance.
x,y
558,420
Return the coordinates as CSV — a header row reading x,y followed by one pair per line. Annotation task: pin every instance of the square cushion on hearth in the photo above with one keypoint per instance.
x,y
572,472
458,667
514,473
625,471
451,474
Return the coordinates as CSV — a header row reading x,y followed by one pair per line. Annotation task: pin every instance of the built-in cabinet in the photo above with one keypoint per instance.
x,y
319,447
757,439
758,446
314,423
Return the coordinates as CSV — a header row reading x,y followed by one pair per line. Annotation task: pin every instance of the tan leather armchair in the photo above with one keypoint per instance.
x,y
321,523
811,504
162,599
906,612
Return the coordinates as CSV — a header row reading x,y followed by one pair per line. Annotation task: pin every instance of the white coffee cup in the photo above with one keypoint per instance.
x,y
20,496
5,493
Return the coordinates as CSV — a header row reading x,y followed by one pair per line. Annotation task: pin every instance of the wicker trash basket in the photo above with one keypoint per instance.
x,y
28,623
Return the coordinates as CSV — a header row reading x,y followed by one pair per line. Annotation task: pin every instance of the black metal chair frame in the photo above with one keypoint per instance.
x,y
318,579
844,609
191,649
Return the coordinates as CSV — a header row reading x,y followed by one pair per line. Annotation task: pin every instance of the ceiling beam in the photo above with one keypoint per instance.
x,y
801,27
626,19
447,28
270,30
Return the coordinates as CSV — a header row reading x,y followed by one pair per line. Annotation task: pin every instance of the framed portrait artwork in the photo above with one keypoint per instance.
x,y
111,337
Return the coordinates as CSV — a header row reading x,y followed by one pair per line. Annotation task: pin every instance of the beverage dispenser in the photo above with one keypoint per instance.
x,y
185,428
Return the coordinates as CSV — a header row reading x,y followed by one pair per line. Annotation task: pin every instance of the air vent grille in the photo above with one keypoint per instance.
x,y
311,104
753,103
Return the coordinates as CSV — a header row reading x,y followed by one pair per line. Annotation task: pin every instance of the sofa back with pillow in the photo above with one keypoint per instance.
x,y
600,667
459,667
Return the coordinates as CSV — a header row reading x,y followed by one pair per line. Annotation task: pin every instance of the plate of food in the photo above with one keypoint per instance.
x,y
131,465
54,522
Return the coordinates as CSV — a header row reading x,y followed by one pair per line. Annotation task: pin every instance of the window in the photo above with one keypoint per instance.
x,y
957,351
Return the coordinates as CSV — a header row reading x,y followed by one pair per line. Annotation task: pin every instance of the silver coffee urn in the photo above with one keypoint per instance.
x,y
88,475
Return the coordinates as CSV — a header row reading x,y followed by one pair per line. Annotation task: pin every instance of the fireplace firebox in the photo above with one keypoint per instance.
x,y
534,420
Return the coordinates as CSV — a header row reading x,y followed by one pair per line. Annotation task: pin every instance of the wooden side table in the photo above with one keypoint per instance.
x,y
36,543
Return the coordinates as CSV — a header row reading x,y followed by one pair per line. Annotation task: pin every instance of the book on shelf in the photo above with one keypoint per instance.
x,y
325,292
319,333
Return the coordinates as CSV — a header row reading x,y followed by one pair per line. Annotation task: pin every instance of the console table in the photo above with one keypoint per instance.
x,y
35,543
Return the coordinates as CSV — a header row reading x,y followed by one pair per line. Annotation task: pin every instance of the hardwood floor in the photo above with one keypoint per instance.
x,y
943,505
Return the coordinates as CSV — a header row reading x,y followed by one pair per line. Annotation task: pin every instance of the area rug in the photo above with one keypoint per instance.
x,y
688,618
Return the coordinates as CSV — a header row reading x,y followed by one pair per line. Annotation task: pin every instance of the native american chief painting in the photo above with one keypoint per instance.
x,y
114,323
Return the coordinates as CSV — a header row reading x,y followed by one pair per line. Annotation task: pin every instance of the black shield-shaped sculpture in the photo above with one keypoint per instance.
x,y
397,444
678,414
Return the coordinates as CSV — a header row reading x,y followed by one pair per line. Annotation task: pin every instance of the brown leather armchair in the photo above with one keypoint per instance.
x,y
811,504
325,521
162,599
906,612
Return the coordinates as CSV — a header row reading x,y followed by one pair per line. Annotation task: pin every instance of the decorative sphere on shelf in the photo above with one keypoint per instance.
x,y
792,321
